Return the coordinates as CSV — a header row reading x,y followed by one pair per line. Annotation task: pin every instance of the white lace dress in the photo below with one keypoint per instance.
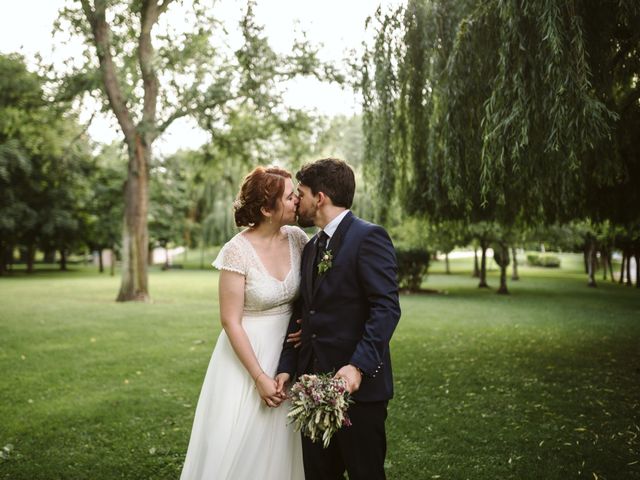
x,y
235,436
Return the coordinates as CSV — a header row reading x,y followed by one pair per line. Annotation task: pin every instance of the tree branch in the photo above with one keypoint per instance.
x,y
185,111
80,134
179,113
149,16
163,6
200,106
101,35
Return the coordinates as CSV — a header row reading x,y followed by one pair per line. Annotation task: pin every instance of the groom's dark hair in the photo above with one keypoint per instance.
x,y
331,176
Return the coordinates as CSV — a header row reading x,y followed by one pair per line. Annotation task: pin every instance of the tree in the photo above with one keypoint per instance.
x,y
20,106
150,79
44,158
521,149
169,205
444,237
614,56
103,212
342,137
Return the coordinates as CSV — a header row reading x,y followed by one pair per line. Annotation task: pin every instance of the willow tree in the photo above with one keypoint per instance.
x,y
150,73
614,55
494,113
404,89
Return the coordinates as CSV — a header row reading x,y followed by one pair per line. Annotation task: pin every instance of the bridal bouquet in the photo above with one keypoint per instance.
x,y
319,406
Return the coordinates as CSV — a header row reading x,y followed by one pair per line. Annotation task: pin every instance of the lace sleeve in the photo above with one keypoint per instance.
x,y
231,258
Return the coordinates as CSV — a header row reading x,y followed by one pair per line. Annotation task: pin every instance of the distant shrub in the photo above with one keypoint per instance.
x,y
543,260
413,265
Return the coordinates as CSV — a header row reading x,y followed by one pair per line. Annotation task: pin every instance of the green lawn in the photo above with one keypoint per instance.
x,y
541,384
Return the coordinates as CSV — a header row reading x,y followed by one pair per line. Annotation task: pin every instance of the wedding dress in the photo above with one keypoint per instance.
x,y
235,436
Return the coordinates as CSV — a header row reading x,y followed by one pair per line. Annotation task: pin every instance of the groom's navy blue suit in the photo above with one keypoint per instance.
x,y
348,316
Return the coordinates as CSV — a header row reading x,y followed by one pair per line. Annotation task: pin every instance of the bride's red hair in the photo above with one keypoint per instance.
x,y
263,187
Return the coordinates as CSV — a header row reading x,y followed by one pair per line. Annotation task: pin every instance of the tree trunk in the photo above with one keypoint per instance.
x,y
166,258
483,266
637,256
202,255
503,281
63,259
100,261
585,254
501,257
611,267
135,238
3,259
30,257
139,138
591,264
476,266
50,256
192,215
112,269
446,263
9,249
622,266
514,275
605,264
6,257
629,281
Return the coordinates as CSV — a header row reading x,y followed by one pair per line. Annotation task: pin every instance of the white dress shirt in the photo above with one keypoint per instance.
x,y
331,227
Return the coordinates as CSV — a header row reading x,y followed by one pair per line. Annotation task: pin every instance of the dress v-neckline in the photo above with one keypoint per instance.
x,y
264,268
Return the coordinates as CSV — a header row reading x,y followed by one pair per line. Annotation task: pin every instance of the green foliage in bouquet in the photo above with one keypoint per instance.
x,y
319,406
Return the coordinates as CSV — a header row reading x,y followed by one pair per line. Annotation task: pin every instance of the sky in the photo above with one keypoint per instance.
x,y
339,25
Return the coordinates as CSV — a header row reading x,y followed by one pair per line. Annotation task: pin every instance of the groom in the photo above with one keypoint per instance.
x,y
349,302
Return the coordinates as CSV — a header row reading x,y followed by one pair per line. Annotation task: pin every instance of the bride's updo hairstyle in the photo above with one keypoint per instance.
x,y
263,187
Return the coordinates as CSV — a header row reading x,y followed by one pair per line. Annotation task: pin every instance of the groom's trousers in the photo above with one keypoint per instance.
x,y
359,449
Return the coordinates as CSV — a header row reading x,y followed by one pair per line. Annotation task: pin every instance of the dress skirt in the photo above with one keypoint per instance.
x,y
235,436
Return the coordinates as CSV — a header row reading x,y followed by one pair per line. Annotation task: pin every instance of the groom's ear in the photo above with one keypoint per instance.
x,y
324,199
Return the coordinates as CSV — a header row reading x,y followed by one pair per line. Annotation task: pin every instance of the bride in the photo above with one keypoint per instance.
x,y
237,431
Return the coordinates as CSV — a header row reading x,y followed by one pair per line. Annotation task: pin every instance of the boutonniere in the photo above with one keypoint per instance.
x,y
325,263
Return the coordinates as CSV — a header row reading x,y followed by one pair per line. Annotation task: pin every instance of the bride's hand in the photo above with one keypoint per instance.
x,y
281,381
267,388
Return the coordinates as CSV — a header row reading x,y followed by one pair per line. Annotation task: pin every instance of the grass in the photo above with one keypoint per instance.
x,y
544,383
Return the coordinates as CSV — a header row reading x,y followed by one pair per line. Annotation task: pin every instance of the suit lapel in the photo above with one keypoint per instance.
x,y
335,244
307,266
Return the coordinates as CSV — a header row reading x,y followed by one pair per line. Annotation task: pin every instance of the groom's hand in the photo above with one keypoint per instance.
x,y
352,376
281,380
295,336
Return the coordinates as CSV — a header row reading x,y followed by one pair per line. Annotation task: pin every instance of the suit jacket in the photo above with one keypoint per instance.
x,y
350,313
